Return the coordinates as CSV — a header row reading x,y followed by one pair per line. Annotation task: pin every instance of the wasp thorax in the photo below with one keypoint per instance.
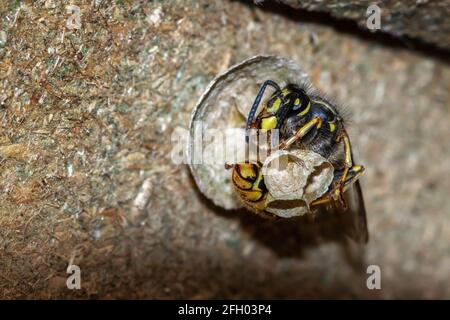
x,y
294,179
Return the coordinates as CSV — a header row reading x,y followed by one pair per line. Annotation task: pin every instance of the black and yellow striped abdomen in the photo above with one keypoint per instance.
x,y
249,184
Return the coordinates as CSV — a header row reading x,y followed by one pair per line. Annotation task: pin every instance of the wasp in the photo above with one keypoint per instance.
x,y
305,120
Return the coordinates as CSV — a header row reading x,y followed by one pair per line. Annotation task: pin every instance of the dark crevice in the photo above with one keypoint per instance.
x,y
350,27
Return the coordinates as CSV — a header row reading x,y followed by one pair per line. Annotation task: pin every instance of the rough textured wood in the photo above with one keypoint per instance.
x,y
86,177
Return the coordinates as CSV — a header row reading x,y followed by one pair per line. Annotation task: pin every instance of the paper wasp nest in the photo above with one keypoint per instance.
x,y
294,179
224,105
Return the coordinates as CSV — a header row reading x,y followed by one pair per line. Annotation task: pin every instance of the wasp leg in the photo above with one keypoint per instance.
x,y
314,123
338,189
256,104
353,174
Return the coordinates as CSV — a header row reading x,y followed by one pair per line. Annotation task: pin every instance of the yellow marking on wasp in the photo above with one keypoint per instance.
x,y
332,127
269,123
319,125
297,102
261,204
251,195
275,106
285,92
258,180
336,194
348,154
247,190
247,171
240,182
306,110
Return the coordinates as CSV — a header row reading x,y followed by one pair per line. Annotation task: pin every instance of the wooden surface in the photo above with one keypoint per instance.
x,y
86,177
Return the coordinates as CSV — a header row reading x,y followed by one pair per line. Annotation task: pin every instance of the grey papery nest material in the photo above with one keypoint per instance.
x,y
294,179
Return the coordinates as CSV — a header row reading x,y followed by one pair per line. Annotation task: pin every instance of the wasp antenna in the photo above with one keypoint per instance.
x,y
257,102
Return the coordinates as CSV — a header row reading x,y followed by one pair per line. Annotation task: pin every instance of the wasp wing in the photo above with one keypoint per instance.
x,y
351,221
355,203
